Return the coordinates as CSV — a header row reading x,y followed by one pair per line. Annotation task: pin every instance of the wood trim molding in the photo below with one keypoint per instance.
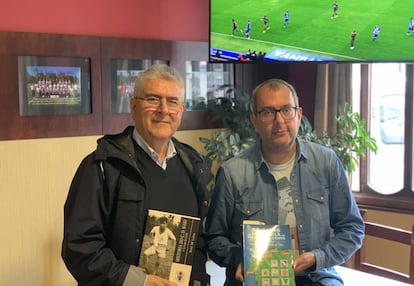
x,y
100,51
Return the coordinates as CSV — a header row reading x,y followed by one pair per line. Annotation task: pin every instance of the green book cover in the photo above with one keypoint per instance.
x,y
267,255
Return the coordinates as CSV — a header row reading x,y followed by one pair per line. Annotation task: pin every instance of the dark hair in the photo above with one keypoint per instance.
x,y
163,219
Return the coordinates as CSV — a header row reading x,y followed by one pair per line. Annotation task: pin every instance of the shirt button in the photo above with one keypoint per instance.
x,y
300,226
137,240
322,197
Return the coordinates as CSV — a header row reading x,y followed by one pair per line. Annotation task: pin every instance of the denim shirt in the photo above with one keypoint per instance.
x,y
328,220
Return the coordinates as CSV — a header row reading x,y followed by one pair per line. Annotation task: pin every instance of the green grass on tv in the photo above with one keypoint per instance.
x,y
311,29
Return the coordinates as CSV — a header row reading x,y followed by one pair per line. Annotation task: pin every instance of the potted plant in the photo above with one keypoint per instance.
x,y
238,133
350,142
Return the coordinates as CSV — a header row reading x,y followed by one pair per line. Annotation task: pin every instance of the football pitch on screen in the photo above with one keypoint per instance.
x,y
313,30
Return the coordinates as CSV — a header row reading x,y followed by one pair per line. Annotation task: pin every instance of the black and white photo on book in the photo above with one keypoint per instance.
x,y
169,244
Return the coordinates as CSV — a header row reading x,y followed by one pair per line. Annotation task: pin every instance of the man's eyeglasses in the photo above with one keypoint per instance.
x,y
269,114
155,101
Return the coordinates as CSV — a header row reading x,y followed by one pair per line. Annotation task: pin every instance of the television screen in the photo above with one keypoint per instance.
x,y
310,30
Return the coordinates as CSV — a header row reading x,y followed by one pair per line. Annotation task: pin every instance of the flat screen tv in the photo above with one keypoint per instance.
x,y
311,30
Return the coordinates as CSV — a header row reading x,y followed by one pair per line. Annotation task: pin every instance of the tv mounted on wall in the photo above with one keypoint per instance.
x,y
313,32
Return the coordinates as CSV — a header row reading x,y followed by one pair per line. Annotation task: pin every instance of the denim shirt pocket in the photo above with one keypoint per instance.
x,y
317,204
245,210
249,204
249,209
319,197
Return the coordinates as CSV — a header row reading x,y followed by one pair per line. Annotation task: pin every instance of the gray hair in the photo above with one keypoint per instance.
x,y
273,84
158,71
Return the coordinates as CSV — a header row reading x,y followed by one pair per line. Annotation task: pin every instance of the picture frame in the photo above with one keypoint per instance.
x,y
125,55
123,75
54,85
53,120
93,117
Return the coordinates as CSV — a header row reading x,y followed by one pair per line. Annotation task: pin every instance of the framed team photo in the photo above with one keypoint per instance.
x,y
54,85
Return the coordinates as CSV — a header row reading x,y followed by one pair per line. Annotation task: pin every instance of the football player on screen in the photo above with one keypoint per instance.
x,y
410,26
247,31
234,27
376,32
266,26
286,17
335,8
353,36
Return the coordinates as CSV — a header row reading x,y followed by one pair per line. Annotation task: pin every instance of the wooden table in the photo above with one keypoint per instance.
x,y
350,276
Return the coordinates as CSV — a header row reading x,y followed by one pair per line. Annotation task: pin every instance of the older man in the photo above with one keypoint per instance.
x,y
143,167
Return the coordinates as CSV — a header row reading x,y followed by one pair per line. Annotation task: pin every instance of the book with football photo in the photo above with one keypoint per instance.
x,y
267,254
169,244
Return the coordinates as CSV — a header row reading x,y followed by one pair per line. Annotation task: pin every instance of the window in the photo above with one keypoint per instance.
x,y
382,92
203,82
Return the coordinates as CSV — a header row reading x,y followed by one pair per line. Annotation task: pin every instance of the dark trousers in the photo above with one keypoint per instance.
x,y
305,281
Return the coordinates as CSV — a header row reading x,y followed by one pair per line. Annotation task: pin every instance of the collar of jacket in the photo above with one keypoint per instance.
x,y
121,146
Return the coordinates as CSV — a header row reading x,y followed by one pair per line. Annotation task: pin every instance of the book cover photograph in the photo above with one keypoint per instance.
x,y
267,255
168,246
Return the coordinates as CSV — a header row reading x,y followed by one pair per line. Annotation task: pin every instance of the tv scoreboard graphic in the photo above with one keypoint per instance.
x,y
288,55
276,55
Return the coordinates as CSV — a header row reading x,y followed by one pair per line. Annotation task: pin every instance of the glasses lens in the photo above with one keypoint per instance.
x,y
172,103
267,115
288,112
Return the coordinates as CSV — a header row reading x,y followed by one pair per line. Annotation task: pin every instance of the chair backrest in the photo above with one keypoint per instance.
x,y
392,234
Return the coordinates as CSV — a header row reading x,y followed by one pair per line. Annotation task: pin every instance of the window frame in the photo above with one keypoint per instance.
x,y
402,201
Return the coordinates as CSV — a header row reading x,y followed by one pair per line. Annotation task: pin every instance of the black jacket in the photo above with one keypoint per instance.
x,y
104,214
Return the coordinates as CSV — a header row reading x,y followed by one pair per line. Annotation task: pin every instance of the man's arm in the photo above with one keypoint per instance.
x,y
152,235
345,220
218,226
171,235
84,247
